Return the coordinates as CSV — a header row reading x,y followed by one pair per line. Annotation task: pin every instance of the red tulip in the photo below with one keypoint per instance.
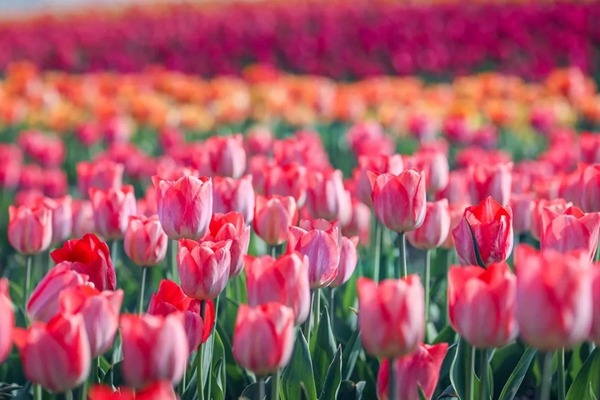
x,y
286,180
326,196
82,217
184,206
227,155
557,205
112,209
155,391
154,348
588,189
145,242
29,229
481,304
89,256
488,226
231,227
319,240
435,228
491,180
391,315
7,320
62,341
203,267
570,231
414,372
62,218
234,195
263,337
101,174
348,261
100,311
554,297
273,217
399,200
283,280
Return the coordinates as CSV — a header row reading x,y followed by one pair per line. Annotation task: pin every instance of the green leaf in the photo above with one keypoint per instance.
x,y
299,372
459,368
351,352
587,381
446,335
323,349
333,379
219,373
516,378
448,394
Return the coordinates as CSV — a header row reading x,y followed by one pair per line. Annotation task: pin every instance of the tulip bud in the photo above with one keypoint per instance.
x,y
203,267
112,209
348,261
234,195
7,320
273,217
62,218
231,227
145,242
491,180
326,196
435,228
30,229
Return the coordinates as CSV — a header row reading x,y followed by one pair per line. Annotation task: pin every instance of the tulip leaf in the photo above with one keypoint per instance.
x,y
333,379
352,351
459,368
299,372
516,378
323,349
586,384
448,394
219,372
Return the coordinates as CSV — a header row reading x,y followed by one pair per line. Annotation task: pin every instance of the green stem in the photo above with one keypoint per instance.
x,y
331,305
174,271
275,386
547,376
401,266
377,250
273,251
317,310
114,252
37,392
392,380
142,289
83,390
484,374
27,283
68,395
94,371
261,388
561,374
212,340
470,375
427,284
199,357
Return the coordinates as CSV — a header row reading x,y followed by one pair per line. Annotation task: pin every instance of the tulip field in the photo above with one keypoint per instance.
x,y
257,221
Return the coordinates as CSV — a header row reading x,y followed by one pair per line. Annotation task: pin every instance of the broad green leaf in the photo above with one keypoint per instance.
x,y
351,352
299,372
516,377
323,349
334,377
588,379
459,368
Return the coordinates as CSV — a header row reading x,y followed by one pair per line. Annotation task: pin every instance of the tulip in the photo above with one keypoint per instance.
x,y
376,164
62,218
521,205
100,311
234,195
44,302
412,373
319,240
145,242
29,229
7,320
102,175
570,231
554,297
283,280
55,183
589,191
154,348
399,200
481,304
227,155
184,206
11,159
326,196
359,223
557,205
457,189
435,228
203,267
62,340
595,331
273,216
286,180
391,315
484,235
369,139
434,164
89,256
112,209
348,261
263,337
490,180
154,391
82,218
170,299
231,227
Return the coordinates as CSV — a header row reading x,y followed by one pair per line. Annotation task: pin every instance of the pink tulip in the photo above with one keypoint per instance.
x,y
7,320
378,164
273,216
348,261
231,227
588,188
82,217
435,228
326,196
101,174
557,205
203,267
62,218
234,195
112,209
491,180
359,223
521,205
145,242
286,180
29,229
227,155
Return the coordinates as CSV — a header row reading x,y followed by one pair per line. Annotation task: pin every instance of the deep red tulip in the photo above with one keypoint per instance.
x,y
112,209
29,229
227,155
7,320
326,196
145,242
231,227
203,267
273,217
348,261
101,174
234,195
490,180
435,228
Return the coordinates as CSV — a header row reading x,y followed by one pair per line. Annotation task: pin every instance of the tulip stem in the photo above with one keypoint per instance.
x,y
199,358
392,381
142,288
561,374
275,386
94,371
401,266
68,395
114,252
426,283
273,251
547,376
331,305
470,375
483,374
174,272
317,310
27,283
261,388
377,250
37,392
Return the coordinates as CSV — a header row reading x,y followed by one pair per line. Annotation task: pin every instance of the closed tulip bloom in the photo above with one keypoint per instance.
x,y
493,180
89,256
170,299
399,200
554,297
203,267
521,205
55,355
556,205
490,225
589,188
283,280
434,164
234,195
359,223
100,311
155,348
62,218
348,260
377,164
145,242
82,218
101,174
457,189
112,209
417,371
273,217
227,155
319,241
456,214
481,304
184,206
326,196
231,227
391,315
29,229
435,228
7,320
570,231
286,180
44,302
595,333
263,337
